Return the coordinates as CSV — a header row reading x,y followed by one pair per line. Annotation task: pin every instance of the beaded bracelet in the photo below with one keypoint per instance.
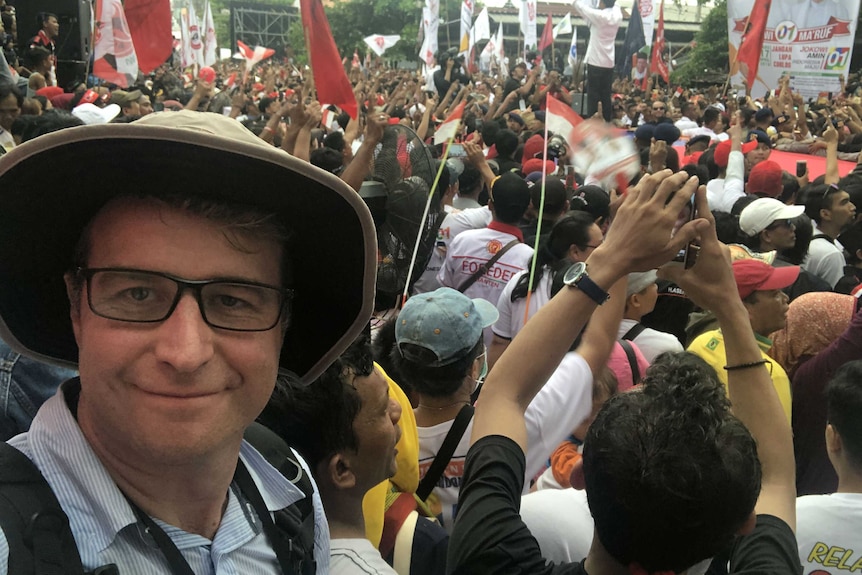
x,y
745,365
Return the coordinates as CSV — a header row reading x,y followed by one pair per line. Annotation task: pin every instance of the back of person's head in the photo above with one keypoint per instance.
x,y
789,187
817,197
708,159
35,55
710,115
50,121
335,140
727,227
470,181
329,406
700,172
511,197
265,103
671,475
556,196
507,143
843,405
438,337
741,203
327,159
489,133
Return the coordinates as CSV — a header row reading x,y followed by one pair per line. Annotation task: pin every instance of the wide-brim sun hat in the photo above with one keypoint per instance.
x,y
52,186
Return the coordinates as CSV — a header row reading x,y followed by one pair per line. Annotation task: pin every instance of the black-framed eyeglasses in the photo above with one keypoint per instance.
x,y
659,108
141,296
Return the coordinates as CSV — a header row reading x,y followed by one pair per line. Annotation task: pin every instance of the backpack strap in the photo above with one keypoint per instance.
x,y
295,523
453,438
36,528
822,237
635,331
633,361
483,269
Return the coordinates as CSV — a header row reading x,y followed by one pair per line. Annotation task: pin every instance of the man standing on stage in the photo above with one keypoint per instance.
x,y
604,21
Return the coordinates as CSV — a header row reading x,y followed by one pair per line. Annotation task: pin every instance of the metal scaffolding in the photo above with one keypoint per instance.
x,y
262,25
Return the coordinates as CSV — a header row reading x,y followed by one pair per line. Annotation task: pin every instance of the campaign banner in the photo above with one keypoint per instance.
x,y
811,41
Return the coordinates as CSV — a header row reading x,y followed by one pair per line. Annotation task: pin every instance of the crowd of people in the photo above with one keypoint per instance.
x,y
211,364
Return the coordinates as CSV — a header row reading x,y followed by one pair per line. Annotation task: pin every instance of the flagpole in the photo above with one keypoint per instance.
x,y
539,223
425,217
736,59
92,42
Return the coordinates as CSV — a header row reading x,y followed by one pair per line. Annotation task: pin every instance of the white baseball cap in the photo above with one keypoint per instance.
x,y
759,214
91,114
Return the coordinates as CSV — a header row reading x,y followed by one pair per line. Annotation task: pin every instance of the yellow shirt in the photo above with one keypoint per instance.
x,y
406,479
710,347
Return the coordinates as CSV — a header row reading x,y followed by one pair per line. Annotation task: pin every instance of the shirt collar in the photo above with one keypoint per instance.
x,y
507,229
763,342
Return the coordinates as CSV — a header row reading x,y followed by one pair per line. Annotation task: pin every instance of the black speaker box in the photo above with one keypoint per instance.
x,y
73,43
579,103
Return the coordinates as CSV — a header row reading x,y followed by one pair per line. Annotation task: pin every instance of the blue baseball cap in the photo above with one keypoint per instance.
x,y
445,322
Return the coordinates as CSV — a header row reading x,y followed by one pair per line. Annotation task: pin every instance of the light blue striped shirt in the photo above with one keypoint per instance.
x,y
106,530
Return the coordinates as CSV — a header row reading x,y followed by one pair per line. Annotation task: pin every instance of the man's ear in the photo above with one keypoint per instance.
x,y
74,293
833,440
825,215
340,472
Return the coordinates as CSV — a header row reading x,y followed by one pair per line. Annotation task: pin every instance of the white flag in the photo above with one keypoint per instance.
x,y
482,26
195,42
564,27
380,43
430,22
573,50
528,23
466,24
500,53
186,38
210,44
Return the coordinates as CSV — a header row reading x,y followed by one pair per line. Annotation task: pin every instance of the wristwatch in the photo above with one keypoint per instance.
x,y
576,276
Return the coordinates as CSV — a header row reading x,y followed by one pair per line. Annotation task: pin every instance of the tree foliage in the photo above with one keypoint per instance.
x,y
708,59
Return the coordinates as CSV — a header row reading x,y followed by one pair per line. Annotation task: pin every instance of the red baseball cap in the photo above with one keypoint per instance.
x,y
722,151
755,275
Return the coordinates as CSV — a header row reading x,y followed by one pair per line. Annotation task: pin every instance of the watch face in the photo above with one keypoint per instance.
x,y
574,273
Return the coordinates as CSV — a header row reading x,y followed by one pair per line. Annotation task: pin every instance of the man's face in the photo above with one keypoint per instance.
x,y
519,72
514,126
131,109
780,235
52,27
176,390
768,311
842,212
659,109
145,106
581,253
9,111
641,65
376,429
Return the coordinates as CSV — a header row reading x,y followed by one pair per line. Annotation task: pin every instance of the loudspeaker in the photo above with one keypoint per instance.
x,y
579,102
73,43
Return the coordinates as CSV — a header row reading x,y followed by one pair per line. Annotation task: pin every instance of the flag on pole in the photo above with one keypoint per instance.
x,y
561,119
114,57
449,128
751,45
547,35
150,27
528,22
500,52
482,26
573,50
633,42
564,27
210,44
379,43
196,45
430,22
252,56
466,24
658,64
329,76
355,63
186,40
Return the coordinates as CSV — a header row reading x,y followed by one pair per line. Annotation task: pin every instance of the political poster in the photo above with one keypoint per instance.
x,y
811,41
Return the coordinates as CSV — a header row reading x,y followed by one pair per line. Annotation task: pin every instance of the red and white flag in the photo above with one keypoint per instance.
x,y
449,128
196,43
114,57
380,43
252,56
751,45
547,35
658,64
210,44
561,119
329,75
150,26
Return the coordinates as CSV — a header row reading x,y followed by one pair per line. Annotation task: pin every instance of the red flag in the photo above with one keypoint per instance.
x,y
449,128
114,56
150,27
751,45
657,63
252,56
329,76
547,35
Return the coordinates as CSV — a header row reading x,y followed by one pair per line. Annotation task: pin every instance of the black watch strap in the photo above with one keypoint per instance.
x,y
593,291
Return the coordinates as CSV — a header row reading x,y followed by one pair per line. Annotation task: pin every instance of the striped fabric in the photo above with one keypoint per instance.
x,y
105,527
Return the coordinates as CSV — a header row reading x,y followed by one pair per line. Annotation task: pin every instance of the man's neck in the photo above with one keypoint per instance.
x,y
829,229
344,513
191,495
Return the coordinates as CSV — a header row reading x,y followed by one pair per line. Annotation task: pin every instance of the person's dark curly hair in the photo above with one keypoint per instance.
x,y
671,474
